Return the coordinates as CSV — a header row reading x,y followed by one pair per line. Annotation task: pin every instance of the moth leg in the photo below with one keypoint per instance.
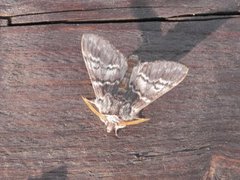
x,y
88,103
117,127
116,132
133,122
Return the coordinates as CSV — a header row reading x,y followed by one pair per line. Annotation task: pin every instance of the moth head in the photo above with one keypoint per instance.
x,y
110,127
112,122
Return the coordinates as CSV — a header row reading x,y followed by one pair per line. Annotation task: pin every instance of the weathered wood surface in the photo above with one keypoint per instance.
x,y
48,133
3,22
42,11
14,8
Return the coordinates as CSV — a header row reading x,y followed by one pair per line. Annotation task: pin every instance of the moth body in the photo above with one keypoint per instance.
x,y
123,91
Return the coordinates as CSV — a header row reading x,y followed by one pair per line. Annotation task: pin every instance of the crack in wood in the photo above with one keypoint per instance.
x,y
178,18
5,21
142,155
119,21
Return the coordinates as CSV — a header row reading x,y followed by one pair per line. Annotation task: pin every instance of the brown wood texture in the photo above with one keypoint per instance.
x,y
42,11
47,132
3,22
14,8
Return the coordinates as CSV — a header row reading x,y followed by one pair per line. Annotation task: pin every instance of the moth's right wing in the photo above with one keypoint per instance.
x,y
150,80
105,64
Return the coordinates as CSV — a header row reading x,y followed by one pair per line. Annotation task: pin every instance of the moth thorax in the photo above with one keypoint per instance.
x,y
111,122
112,118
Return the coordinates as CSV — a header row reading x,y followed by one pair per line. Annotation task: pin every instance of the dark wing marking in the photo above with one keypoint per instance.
x,y
105,64
150,80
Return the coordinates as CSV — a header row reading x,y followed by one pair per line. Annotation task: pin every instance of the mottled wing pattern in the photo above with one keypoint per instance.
x,y
150,80
105,64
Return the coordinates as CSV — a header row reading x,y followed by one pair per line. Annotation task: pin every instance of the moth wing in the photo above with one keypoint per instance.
x,y
150,80
106,66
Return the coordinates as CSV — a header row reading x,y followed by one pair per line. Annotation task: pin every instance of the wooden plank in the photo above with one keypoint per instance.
x,y
47,132
222,167
10,8
47,11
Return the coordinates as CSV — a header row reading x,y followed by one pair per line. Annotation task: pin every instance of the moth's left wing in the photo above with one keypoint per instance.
x,y
150,80
105,64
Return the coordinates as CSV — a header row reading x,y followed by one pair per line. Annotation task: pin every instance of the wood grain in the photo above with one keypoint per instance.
x,y
45,126
14,8
47,132
223,167
27,12
3,22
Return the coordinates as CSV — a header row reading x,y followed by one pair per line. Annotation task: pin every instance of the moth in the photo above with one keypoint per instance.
x,y
120,96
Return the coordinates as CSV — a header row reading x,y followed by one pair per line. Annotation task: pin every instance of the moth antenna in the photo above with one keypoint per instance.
x,y
88,103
